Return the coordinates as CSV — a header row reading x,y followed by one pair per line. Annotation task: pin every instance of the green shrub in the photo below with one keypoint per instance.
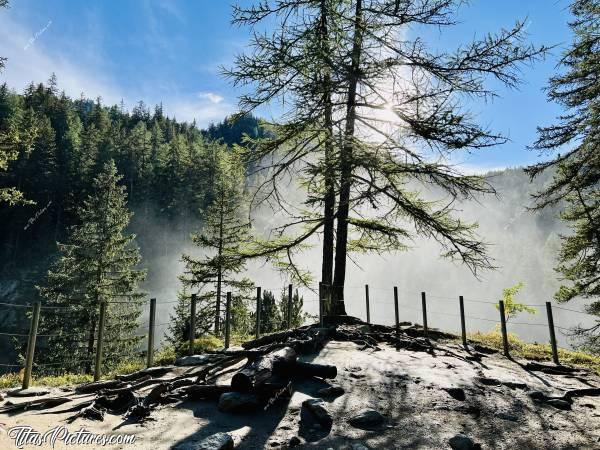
x,y
165,356
201,345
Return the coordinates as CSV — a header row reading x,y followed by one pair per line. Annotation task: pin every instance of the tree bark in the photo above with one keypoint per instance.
x,y
220,271
329,199
346,162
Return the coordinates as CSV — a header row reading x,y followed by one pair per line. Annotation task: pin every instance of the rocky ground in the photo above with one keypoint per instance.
x,y
380,399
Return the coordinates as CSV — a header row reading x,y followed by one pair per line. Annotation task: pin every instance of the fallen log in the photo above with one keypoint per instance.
x,y
95,386
204,391
278,337
257,371
152,371
305,369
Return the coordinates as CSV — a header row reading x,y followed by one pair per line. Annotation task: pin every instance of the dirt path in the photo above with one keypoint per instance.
x,y
413,390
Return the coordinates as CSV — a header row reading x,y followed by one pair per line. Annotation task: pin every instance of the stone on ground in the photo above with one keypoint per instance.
x,y
331,391
237,402
367,418
456,393
463,442
317,409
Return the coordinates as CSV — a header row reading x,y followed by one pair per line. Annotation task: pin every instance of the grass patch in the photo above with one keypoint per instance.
x,y
165,356
201,345
15,380
535,351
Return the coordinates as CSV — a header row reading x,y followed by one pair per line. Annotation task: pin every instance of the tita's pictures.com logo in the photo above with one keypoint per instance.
x,y
25,435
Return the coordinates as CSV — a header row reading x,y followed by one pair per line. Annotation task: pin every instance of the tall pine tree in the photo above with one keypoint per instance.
x,y
96,264
222,237
398,116
576,180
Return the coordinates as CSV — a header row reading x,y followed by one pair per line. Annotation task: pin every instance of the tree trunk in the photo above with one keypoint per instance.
x,y
329,199
346,162
220,270
90,349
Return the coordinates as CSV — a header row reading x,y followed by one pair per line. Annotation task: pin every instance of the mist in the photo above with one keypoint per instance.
x,y
523,245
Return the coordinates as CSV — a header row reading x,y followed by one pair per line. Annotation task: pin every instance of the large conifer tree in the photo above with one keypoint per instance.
x,y
96,264
577,170
222,237
397,116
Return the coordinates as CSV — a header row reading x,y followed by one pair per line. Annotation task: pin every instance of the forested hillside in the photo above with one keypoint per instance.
x,y
167,168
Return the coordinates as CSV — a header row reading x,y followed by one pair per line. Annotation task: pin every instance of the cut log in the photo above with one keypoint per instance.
x,y
256,372
204,391
305,369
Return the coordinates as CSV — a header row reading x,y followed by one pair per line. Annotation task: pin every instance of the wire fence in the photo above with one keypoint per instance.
x,y
89,348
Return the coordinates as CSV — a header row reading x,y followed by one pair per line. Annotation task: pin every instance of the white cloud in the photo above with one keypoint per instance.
x,y
211,97
208,107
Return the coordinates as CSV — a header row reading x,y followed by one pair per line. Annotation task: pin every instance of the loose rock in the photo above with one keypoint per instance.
x,y
456,393
463,442
237,402
218,441
367,419
317,408
488,381
331,391
506,416
359,446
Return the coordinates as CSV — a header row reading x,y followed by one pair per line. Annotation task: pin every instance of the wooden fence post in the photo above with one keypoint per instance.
x,y
367,301
100,342
151,324
552,334
424,308
396,310
289,308
192,324
258,301
463,325
33,329
503,326
321,295
228,320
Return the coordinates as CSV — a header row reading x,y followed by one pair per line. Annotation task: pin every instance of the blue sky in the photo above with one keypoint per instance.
x,y
170,51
